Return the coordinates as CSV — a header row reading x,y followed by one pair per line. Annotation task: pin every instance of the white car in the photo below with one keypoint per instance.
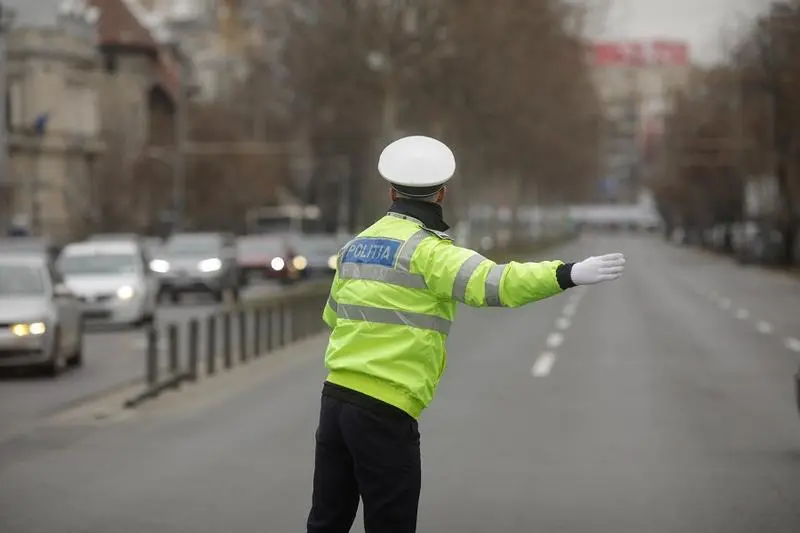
x,y
40,321
113,281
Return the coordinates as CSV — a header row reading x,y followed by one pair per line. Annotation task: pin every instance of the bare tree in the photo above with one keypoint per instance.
x,y
506,84
737,121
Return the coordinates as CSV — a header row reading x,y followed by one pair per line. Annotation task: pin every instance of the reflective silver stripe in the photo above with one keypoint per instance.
x,y
407,251
332,303
492,286
389,316
464,275
383,274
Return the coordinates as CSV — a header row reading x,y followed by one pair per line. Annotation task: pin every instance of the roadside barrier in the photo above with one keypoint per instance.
x,y
177,353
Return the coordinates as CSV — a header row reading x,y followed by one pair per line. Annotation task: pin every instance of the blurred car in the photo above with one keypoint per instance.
x,y
40,319
29,247
263,257
197,263
316,254
112,280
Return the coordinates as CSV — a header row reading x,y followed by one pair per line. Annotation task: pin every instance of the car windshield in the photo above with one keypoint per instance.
x,y
260,246
21,280
97,264
192,246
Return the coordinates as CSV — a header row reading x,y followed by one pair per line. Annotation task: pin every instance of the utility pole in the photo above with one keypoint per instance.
x,y
179,166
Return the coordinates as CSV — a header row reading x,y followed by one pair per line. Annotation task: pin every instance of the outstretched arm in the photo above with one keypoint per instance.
x,y
468,277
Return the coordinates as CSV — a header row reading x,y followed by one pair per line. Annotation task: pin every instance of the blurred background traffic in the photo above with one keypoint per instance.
x,y
154,150
176,175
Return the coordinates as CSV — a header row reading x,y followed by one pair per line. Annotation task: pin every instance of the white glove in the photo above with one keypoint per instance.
x,y
597,269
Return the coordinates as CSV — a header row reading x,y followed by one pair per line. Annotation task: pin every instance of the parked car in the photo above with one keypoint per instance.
x,y
797,389
316,254
112,280
759,243
198,263
40,319
263,257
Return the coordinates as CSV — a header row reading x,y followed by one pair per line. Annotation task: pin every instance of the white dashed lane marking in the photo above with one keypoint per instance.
x,y
543,365
554,340
792,344
764,327
563,323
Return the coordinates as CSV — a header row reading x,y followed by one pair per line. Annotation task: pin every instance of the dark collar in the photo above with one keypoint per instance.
x,y
428,213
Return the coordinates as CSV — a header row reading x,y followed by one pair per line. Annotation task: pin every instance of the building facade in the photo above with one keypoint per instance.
x,y
52,122
635,81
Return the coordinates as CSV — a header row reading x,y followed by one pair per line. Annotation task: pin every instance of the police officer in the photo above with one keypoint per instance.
x,y
391,305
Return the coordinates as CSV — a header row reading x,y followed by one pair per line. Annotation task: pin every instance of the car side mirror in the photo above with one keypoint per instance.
x,y
62,291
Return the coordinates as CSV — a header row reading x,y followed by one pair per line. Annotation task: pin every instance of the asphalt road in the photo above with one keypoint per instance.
x,y
112,357
660,403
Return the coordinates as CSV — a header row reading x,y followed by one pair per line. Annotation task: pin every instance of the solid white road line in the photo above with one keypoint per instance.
x,y
742,314
563,323
554,340
543,365
793,344
764,327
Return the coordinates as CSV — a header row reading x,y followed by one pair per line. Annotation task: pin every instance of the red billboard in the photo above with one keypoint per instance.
x,y
640,53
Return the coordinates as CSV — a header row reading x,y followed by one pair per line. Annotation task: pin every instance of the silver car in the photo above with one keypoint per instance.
x,y
199,263
40,320
112,280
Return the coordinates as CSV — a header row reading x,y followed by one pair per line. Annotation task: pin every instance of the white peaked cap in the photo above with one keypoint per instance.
x,y
417,161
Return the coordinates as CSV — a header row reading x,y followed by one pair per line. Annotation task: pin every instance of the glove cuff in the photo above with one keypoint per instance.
x,y
564,276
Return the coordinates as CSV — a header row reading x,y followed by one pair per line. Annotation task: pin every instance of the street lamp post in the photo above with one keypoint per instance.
x,y
179,163
7,16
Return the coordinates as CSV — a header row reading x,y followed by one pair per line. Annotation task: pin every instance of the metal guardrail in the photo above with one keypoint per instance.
x,y
177,353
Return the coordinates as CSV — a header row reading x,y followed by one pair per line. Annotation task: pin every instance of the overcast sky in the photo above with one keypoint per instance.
x,y
701,23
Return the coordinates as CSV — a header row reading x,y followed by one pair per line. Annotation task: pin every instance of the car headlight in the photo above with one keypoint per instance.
x,y
300,262
159,265
28,329
277,263
332,262
209,265
125,292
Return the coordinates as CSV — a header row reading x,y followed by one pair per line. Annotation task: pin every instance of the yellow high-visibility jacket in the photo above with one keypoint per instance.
x,y
394,298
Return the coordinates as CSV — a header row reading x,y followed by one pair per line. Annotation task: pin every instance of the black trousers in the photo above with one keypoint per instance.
x,y
369,449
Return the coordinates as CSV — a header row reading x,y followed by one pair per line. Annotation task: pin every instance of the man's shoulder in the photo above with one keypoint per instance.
x,y
439,234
